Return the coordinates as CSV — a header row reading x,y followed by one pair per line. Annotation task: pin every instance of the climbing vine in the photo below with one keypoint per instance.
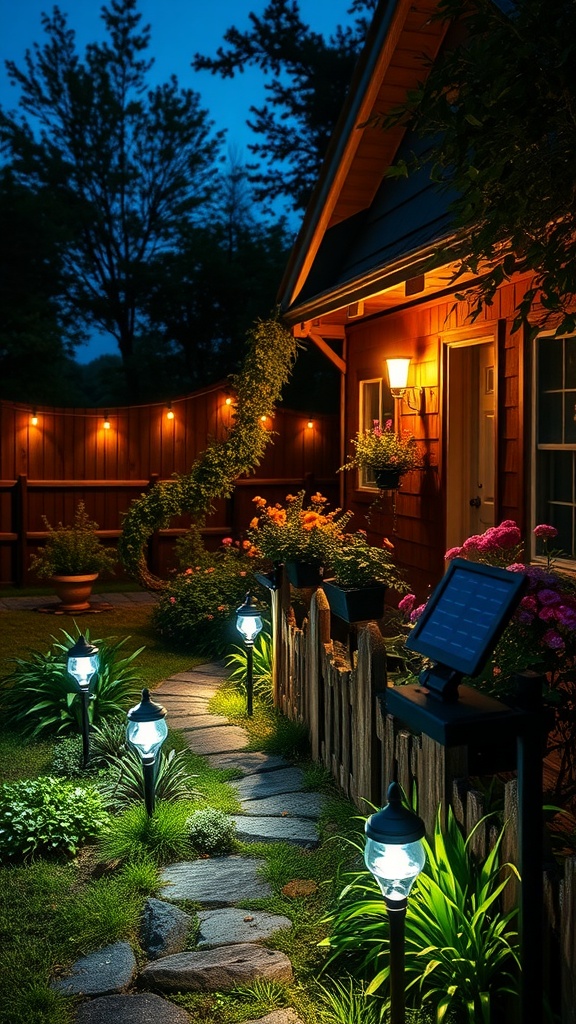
x,y
270,356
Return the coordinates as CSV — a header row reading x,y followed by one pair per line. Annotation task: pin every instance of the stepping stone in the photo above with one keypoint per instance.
x,y
256,787
217,969
231,925
164,928
250,763
109,970
183,705
217,882
284,1016
300,831
199,721
218,739
183,688
300,805
212,668
140,1008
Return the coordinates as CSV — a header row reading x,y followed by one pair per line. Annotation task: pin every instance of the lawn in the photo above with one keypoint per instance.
x,y
51,912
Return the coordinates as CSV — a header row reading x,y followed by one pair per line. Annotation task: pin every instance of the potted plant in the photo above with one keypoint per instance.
x,y
72,559
361,572
300,537
388,454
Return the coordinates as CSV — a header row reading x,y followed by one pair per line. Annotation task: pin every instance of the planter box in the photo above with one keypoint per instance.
x,y
355,604
304,574
387,479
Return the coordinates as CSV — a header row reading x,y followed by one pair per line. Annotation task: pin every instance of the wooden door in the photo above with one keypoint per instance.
x,y
470,441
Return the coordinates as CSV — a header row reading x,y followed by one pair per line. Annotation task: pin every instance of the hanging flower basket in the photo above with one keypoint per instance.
x,y
355,604
387,479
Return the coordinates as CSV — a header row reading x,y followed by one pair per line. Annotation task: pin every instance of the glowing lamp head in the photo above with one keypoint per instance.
x,y
106,423
310,424
398,376
170,413
394,852
248,621
82,663
34,419
147,728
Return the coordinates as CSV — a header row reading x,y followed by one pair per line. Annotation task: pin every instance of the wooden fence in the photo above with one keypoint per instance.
x,y
47,466
337,687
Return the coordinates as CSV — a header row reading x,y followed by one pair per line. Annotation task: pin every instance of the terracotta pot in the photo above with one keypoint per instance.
x,y
74,591
387,479
355,604
304,574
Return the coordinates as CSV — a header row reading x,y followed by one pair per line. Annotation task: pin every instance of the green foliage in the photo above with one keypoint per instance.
x,y
356,563
47,817
161,837
73,550
379,448
297,532
237,660
270,355
41,698
124,781
497,114
461,949
211,831
347,1003
197,609
67,759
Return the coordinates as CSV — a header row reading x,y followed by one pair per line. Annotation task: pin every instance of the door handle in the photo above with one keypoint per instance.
x,y
475,502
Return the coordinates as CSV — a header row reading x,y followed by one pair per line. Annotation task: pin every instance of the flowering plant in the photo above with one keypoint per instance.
x,y
382,448
356,563
73,550
296,532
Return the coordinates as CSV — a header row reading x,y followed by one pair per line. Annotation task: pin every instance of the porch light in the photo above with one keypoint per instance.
x,y
146,732
398,376
82,663
248,624
395,855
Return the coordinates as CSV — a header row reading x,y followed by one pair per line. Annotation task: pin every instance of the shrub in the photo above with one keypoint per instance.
x,y
297,532
48,817
163,836
67,758
40,695
197,609
124,784
73,550
211,831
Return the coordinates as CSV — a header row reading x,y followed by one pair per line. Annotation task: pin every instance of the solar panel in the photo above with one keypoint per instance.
x,y
466,615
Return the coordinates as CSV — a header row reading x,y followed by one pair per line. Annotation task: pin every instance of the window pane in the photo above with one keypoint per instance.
x,y
570,368
569,417
550,419
369,403
562,517
550,363
555,475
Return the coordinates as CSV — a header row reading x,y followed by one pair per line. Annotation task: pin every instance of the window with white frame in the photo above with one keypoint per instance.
x,y
555,492
375,405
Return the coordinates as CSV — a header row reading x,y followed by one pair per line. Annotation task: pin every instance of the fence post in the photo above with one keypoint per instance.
x,y
20,516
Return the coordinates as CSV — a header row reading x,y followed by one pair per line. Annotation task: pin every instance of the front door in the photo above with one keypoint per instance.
x,y
470,440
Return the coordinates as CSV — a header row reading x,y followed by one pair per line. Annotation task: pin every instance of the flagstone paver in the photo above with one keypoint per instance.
x,y
105,972
286,805
231,925
256,787
136,1008
249,763
217,882
214,740
216,969
300,831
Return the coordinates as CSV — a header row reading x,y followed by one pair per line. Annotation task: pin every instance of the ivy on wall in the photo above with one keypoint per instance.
x,y
270,356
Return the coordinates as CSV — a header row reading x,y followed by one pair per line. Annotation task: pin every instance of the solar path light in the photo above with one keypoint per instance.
x,y
82,663
146,732
248,624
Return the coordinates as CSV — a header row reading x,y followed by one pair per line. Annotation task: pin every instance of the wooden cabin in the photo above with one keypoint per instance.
x,y
492,418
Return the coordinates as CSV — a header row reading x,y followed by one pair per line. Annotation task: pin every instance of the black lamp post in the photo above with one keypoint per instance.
x,y
146,731
82,664
249,624
395,855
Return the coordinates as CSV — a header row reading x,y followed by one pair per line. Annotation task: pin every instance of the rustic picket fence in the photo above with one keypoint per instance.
x,y
337,689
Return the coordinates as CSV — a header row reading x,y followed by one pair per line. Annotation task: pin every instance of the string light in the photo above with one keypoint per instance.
x,y
263,419
310,424
34,418
228,400
106,421
170,412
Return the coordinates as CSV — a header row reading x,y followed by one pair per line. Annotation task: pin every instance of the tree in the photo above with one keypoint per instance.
x,y
124,165
307,77
499,109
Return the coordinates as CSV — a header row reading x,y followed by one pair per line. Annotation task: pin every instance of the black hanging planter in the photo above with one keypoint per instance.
x,y
355,604
304,574
387,479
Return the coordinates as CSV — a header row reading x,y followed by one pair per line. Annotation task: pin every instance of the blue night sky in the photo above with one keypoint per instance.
x,y
179,29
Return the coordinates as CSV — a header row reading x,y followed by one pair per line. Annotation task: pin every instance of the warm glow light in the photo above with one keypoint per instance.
x,y
228,401
34,419
398,374
170,413
106,422
310,424
263,419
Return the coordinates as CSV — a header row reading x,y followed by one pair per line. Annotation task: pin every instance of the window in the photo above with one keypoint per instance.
x,y
555,499
375,404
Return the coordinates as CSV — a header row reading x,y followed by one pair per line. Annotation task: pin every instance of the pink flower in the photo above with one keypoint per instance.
x,y
227,541
547,614
415,615
407,604
545,532
172,600
452,553
388,424
553,640
529,603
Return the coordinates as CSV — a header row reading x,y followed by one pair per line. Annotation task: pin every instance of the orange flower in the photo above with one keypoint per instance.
x,y
246,545
387,544
260,502
254,523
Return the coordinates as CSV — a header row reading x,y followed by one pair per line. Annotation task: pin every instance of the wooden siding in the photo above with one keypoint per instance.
x,y
46,469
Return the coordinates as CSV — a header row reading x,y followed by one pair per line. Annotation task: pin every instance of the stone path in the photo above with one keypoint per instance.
x,y
273,808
